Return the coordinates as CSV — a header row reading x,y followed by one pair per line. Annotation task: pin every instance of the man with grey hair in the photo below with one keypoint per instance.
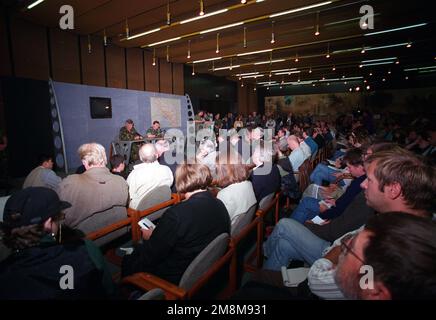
x,y
207,154
266,175
93,192
147,175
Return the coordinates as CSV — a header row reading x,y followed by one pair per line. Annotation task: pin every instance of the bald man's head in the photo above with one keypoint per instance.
x,y
148,153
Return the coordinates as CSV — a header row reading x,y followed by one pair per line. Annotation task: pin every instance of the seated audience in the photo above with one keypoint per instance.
x,y
396,181
237,192
118,165
207,154
310,207
93,192
184,229
147,175
32,229
407,241
43,175
265,176
297,155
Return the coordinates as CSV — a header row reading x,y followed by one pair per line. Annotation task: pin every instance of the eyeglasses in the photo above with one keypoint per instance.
x,y
345,248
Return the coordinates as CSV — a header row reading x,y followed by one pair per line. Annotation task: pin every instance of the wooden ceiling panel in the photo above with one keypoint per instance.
x,y
338,22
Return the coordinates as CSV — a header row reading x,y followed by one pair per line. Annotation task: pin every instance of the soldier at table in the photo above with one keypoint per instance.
x,y
129,133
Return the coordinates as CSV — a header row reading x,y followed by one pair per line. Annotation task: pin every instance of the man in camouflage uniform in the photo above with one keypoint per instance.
x,y
154,131
129,133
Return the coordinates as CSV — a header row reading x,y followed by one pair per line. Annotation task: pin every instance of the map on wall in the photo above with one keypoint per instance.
x,y
167,111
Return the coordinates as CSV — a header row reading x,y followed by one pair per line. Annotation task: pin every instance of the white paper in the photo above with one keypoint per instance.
x,y
293,277
318,220
328,205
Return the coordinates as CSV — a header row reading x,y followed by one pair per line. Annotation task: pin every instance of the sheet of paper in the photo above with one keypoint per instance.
x,y
293,277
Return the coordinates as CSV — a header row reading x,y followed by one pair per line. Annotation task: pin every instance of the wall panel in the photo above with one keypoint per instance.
x,y
165,77
65,56
5,65
178,83
135,69
92,63
151,72
115,67
30,50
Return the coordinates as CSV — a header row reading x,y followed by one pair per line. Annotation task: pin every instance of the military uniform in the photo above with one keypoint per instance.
x,y
155,132
126,135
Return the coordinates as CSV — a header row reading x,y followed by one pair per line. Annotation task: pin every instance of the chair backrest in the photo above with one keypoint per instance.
x,y
243,220
153,294
304,173
266,201
204,261
154,197
102,219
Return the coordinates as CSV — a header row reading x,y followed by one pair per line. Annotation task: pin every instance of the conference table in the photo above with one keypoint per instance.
x,y
124,147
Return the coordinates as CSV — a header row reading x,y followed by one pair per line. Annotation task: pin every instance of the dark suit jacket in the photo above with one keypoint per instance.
x,y
181,234
356,215
264,184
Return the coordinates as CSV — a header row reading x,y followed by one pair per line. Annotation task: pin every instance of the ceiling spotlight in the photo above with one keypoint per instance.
x,y
296,57
365,81
310,70
360,65
217,43
407,78
267,88
189,50
242,84
243,1
368,87
154,57
328,83
168,13
389,72
254,89
357,88
364,25
299,80
317,24
384,80
240,78
328,51
397,62
370,74
350,89
273,40
201,8
323,78
334,68
345,82
363,50
409,44
281,87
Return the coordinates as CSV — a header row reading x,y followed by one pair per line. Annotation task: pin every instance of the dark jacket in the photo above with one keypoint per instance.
x,y
264,184
355,216
35,273
344,201
181,234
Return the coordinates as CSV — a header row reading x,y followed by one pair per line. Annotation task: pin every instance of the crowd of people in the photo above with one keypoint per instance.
x,y
370,204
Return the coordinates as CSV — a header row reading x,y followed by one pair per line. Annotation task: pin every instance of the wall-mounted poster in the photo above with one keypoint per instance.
x,y
167,111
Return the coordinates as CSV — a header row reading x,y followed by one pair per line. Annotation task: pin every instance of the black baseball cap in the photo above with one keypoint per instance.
x,y
32,205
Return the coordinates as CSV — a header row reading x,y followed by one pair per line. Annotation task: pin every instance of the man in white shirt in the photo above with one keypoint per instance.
x,y
43,175
297,155
148,175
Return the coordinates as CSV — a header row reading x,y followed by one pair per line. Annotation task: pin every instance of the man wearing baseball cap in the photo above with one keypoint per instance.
x,y
42,265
